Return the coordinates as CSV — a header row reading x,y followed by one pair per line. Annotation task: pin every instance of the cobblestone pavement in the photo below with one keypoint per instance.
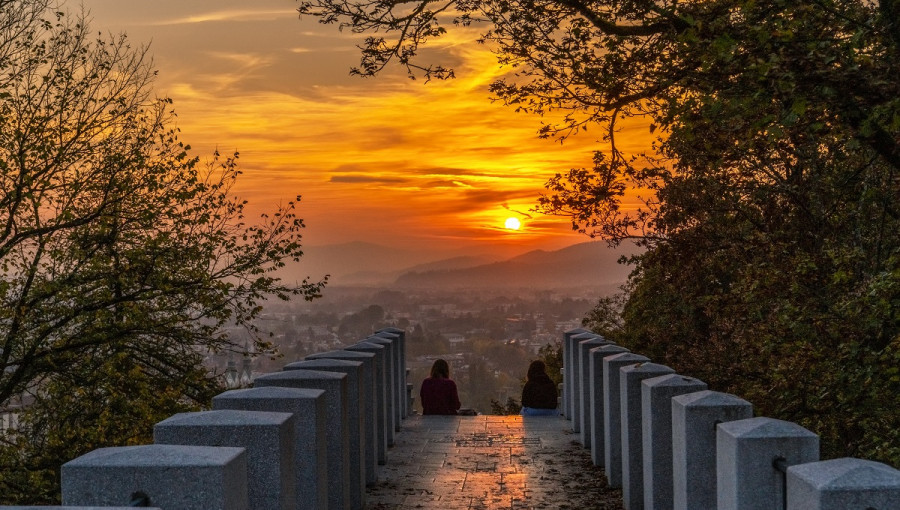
x,y
486,462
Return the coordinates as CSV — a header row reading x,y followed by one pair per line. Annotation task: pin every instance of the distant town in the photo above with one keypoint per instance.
x,y
488,338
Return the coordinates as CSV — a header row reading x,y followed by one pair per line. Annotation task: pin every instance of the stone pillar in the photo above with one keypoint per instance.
x,y
584,364
576,393
310,448
337,429
656,403
208,477
355,419
390,349
267,437
612,414
843,484
368,401
382,418
596,402
401,337
630,392
747,452
399,386
568,348
694,420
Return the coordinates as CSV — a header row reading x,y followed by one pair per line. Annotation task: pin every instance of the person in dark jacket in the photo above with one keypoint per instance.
x,y
539,396
438,393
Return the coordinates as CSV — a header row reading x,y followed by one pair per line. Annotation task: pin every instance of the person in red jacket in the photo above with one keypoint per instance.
x,y
438,394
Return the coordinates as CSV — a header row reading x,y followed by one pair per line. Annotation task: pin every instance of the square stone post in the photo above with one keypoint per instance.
x,y
398,375
355,419
337,424
568,347
612,414
368,401
630,392
173,477
596,403
843,484
694,420
584,363
267,437
749,454
577,381
310,449
401,338
656,402
393,397
385,432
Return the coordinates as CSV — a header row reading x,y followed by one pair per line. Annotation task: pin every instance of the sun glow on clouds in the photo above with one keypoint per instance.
x,y
373,158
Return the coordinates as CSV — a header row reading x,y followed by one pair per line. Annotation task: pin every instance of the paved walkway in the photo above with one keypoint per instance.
x,y
457,462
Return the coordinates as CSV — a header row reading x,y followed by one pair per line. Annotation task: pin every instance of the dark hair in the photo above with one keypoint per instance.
x,y
440,369
536,368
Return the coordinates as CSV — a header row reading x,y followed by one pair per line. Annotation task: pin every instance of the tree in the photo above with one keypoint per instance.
x,y
122,256
769,194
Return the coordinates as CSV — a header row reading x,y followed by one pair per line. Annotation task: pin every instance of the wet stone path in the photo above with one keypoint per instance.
x,y
463,462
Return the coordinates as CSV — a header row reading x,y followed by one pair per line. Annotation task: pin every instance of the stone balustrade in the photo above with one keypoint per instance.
x,y
309,437
672,444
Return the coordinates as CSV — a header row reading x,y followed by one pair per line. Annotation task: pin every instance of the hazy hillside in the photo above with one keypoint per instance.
x,y
360,263
581,265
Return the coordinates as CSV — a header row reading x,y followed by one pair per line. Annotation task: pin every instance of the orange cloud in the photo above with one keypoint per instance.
x,y
373,158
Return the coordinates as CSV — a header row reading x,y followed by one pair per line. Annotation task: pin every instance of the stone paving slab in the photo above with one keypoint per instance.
x,y
490,462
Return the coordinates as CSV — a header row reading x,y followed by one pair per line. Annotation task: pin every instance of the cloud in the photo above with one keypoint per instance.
x,y
278,90
230,15
357,179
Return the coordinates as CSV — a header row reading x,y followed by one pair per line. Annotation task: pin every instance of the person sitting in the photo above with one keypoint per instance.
x,y
539,396
438,393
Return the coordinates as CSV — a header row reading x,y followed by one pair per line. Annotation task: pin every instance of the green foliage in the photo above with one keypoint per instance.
x,y
552,356
512,406
768,197
122,257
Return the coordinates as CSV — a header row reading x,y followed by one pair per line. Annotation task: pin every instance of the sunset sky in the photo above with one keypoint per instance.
x,y
385,159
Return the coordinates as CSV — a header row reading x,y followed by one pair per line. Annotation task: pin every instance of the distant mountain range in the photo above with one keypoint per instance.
x,y
590,264
581,265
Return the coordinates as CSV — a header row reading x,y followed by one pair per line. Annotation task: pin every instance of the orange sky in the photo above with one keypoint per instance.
x,y
385,160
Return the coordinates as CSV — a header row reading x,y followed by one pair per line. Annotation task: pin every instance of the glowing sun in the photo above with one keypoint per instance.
x,y
513,224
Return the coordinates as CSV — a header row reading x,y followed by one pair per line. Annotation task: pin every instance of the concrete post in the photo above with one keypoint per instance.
x,y
208,477
630,378
842,484
385,432
694,420
399,387
355,419
584,364
310,448
596,402
267,437
576,393
390,348
368,401
656,402
337,430
748,455
612,414
401,337
568,348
